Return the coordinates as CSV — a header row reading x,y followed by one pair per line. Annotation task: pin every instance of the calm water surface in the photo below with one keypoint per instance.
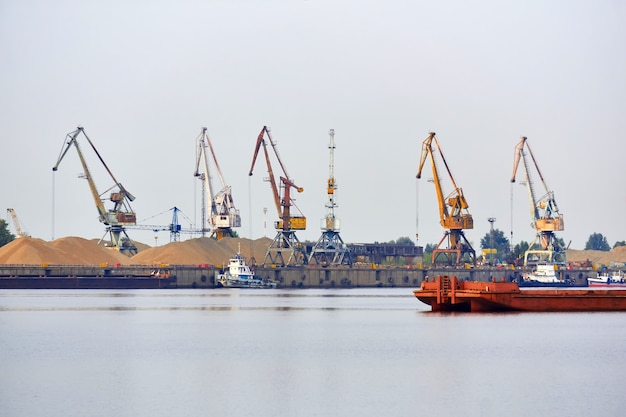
x,y
355,352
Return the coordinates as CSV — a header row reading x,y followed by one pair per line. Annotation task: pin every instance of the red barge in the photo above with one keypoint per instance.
x,y
449,294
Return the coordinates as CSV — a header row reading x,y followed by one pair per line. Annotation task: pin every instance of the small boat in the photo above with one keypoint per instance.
x,y
240,275
446,293
606,279
544,275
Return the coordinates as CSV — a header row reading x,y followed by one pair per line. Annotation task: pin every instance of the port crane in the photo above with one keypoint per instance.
x,y
330,249
544,212
453,211
121,215
285,241
224,216
18,227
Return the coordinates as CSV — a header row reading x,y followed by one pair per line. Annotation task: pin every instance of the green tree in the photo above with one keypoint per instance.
x,y
429,248
520,248
597,242
403,241
5,235
620,243
500,242
427,257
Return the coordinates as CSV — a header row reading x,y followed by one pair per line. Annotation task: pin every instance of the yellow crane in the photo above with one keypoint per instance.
x,y
116,218
544,212
453,211
285,240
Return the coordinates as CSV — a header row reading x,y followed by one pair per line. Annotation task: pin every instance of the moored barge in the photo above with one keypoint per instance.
x,y
446,293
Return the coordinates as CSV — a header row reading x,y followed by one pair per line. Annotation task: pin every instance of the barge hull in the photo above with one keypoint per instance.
x,y
448,294
107,283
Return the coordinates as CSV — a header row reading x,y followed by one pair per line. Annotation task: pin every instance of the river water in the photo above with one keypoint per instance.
x,y
354,353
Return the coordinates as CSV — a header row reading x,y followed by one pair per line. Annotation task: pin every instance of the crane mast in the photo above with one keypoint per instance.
x,y
330,249
453,213
285,241
544,212
116,218
223,216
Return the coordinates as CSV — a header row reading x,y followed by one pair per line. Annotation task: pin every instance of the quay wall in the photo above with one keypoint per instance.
x,y
203,276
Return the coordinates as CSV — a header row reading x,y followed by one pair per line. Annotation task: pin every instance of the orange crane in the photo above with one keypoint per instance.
x,y
286,240
116,218
224,216
453,213
544,213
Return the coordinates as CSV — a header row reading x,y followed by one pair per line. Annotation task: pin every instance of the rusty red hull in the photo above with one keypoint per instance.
x,y
449,294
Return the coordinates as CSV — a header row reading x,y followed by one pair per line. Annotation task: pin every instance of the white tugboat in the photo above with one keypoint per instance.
x,y
239,275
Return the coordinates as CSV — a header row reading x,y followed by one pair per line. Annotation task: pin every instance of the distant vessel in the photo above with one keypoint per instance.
x,y
239,275
449,294
606,279
544,275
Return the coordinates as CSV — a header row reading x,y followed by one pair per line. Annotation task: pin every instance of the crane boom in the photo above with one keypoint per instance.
x,y
453,208
261,141
544,211
18,227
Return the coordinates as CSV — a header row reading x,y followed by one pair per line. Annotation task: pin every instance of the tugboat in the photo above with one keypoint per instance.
x,y
544,275
606,279
239,275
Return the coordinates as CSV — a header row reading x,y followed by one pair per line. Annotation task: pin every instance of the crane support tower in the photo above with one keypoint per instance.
x,y
453,213
121,215
223,216
286,242
330,249
544,212
18,227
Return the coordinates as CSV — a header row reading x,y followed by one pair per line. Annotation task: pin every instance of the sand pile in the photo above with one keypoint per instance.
x,y
202,250
64,251
598,257
79,251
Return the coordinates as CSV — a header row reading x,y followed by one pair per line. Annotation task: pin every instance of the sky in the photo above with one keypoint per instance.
x,y
143,77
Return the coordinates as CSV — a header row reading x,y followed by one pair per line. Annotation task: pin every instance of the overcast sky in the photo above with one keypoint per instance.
x,y
143,78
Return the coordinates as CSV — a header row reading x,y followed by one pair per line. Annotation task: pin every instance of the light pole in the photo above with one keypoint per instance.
x,y
491,221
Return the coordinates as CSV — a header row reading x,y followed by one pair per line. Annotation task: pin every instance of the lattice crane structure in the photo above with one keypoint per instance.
x,y
330,249
19,230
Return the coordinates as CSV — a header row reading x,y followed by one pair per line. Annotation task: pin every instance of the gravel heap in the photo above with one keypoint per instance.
x,y
79,251
598,257
63,251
